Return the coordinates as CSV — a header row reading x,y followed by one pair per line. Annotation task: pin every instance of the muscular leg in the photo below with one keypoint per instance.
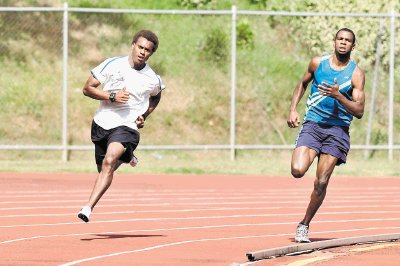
x,y
117,165
326,165
302,158
104,179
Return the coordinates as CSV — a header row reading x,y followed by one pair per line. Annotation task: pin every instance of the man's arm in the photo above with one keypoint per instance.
x,y
355,106
91,89
294,117
153,102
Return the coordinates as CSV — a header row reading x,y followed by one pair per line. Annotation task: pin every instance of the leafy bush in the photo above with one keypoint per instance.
x,y
195,3
216,47
245,35
318,32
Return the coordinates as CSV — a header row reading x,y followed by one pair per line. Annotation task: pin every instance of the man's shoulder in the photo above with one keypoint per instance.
x,y
112,62
316,61
154,77
358,74
358,70
148,71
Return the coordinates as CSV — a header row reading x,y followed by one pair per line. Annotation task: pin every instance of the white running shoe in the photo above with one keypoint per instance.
x,y
134,161
302,234
84,213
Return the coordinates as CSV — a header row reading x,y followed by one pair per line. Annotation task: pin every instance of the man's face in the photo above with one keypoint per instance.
x,y
344,42
142,49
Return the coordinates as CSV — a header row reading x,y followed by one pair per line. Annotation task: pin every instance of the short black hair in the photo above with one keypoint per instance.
x,y
149,35
348,30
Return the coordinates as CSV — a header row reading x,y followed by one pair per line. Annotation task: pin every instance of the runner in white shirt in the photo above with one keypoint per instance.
x,y
128,90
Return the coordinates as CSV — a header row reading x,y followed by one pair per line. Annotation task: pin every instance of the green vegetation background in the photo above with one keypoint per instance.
x,y
194,61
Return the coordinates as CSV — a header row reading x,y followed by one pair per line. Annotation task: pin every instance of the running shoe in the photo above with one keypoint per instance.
x,y
302,234
84,213
134,161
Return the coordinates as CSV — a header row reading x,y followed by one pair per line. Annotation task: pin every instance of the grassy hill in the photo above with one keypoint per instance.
x,y
193,60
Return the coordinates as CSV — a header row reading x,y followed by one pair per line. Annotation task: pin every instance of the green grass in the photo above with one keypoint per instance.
x,y
268,163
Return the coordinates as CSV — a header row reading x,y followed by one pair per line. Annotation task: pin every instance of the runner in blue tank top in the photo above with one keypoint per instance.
x,y
336,95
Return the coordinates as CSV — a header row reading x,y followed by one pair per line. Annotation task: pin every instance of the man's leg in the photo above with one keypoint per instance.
x,y
325,167
103,182
104,179
302,158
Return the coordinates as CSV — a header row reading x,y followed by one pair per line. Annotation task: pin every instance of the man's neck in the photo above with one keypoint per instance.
x,y
137,66
340,61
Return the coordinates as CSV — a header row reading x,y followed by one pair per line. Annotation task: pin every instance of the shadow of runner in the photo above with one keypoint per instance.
x,y
313,239
113,236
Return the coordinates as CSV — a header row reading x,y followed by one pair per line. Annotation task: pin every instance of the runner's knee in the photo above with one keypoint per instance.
x,y
109,161
320,186
297,172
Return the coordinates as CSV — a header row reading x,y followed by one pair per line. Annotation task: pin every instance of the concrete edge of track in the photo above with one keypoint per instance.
x,y
318,245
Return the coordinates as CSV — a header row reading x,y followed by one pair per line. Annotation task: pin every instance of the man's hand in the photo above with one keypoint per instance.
x,y
293,119
140,121
328,90
122,96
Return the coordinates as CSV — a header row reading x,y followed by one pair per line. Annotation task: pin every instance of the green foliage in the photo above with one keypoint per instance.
x,y
245,35
318,32
125,4
215,48
258,1
95,4
195,3
261,3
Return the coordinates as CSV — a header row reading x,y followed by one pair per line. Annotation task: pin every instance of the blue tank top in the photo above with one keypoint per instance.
x,y
327,110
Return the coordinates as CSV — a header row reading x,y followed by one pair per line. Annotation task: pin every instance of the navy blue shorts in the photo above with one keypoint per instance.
x,y
328,139
101,138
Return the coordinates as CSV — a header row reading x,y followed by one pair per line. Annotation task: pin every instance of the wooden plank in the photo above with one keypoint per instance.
x,y
309,247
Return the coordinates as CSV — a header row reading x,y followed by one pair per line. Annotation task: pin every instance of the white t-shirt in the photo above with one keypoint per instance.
x,y
116,73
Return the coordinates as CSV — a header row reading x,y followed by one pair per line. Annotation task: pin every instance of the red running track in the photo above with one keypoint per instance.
x,y
187,219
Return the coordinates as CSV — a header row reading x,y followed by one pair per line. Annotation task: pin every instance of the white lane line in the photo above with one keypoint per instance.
x,y
102,206
136,198
199,210
143,230
154,219
129,190
291,203
191,218
59,201
79,206
335,189
70,195
147,211
197,241
45,194
196,210
330,201
176,229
